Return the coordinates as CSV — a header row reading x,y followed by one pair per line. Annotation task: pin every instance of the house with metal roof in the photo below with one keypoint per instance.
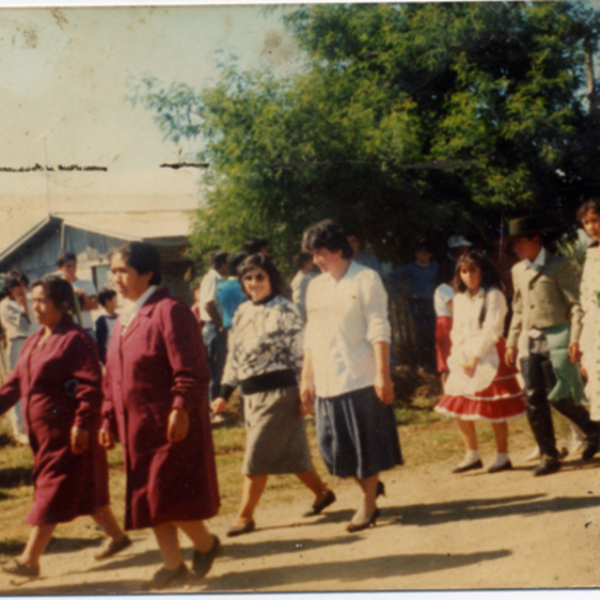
x,y
93,235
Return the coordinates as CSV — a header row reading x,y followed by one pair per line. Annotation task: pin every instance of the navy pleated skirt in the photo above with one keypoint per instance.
x,y
357,434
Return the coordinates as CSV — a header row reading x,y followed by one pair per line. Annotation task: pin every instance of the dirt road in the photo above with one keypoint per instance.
x,y
437,531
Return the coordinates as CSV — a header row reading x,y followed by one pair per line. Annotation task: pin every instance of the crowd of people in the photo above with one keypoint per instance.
x,y
156,374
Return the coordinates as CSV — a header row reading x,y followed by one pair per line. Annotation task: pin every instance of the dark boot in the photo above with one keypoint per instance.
x,y
580,416
538,411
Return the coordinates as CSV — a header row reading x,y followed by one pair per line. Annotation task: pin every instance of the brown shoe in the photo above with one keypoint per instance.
x,y
111,548
202,561
241,528
327,500
14,567
168,578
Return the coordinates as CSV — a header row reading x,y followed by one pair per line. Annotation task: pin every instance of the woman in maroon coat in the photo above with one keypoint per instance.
x,y
155,401
58,376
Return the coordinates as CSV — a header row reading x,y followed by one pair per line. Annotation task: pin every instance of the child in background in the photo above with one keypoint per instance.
x,y
105,323
443,299
480,385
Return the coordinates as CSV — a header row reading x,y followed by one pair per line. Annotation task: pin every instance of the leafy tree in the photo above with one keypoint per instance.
x,y
407,122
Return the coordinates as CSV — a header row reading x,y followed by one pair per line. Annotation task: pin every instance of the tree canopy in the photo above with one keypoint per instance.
x,y
407,122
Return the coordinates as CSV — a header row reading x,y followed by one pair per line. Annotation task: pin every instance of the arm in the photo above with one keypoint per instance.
x,y
229,380
516,324
569,286
10,392
211,308
101,338
307,384
383,381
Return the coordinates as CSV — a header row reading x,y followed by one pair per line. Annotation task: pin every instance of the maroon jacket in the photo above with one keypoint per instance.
x,y
157,365
60,383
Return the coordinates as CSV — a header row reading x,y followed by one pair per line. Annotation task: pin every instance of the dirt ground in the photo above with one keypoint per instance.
x,y
436,531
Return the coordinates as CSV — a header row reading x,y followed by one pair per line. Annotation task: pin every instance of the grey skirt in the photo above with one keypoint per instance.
x,y
276,441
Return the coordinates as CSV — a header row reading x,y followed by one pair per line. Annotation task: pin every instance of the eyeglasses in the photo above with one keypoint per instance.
x,y
258,277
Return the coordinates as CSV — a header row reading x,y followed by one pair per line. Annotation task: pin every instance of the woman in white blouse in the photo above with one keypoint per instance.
x,y
18,323
345,377
480,385
265,358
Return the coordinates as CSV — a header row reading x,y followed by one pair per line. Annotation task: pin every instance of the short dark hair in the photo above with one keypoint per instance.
x,y
144,257
254,244
58,290
14,278
262,261
326,234
64,256
592,203
105,295
489,275
234,261
301,259
218,259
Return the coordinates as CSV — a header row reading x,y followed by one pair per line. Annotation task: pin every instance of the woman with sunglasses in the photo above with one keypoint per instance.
x,y
265,358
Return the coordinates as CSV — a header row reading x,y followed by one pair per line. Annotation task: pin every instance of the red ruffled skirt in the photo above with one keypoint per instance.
x,y
443,343
501,400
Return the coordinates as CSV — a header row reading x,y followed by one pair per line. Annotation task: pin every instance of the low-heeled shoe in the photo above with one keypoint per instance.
x,y
474,465
318,508
547,467
505,466
380,491
111,548
590,449
14,567
202,561
236,529
354,527
168,578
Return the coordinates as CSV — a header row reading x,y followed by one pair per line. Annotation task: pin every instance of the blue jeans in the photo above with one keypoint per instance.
x,y
215,343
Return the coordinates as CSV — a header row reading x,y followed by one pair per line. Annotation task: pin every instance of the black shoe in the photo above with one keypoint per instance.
x,y
354,527
474,465
202,561
235,530
547,467
591,448
111,548
380,491
505,466
318,508
14,567
168,578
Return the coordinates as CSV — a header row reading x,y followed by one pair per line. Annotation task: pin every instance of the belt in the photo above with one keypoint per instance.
x,y
269,381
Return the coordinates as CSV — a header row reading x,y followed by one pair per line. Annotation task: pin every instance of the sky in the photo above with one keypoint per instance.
x,y
64,77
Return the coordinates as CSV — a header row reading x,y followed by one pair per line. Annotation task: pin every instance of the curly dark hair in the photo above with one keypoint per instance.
x,y
14,278
489,275
592,203
264,262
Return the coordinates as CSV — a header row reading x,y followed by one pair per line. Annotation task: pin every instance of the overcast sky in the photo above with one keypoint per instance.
x,y
65,71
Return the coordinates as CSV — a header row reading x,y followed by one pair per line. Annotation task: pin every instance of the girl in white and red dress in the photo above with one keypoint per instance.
x,y
480,385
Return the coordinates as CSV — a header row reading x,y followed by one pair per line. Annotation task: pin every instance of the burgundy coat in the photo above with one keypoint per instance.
x,y
61,384
159,364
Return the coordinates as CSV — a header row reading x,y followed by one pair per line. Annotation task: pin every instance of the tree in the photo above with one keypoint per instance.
x,y
407,121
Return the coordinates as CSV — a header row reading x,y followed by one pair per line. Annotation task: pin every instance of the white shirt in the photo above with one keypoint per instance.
x,y
442,295
15,323
208,292
470,339
89,289
299,285
538,263
344,319
133,308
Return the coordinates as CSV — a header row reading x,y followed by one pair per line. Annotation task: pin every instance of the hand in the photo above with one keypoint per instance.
x,y
307,398
584,373
470,366
179,424
575,353
218,405
384,388
80,440
511,357
106,439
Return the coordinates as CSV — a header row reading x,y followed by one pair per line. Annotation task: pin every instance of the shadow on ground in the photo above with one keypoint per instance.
x,y
348,571
15,477
485,508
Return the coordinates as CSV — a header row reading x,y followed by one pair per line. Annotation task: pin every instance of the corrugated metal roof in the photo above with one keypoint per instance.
x,y
131,225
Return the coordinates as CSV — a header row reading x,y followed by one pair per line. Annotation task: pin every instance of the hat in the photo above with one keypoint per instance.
x,y
456,241
526,227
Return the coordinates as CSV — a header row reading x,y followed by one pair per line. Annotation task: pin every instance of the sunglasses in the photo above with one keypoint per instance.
x,y
258,277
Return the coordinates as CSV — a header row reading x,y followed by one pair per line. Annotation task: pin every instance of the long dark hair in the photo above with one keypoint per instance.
x,y
489,276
